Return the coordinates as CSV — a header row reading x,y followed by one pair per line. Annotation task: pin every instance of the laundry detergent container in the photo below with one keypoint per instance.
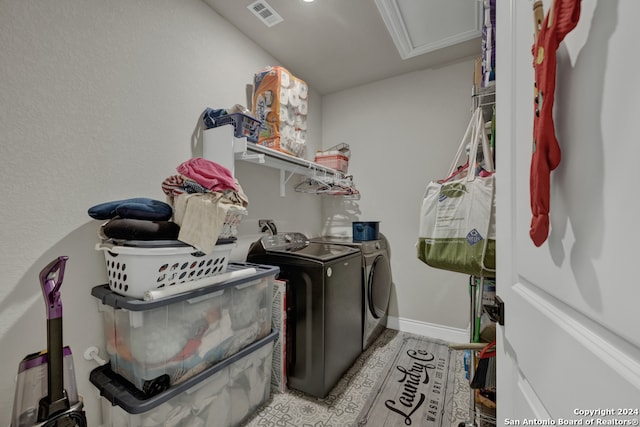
x,y
163,342
364,231
223,395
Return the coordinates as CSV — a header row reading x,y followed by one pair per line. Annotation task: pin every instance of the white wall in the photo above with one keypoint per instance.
x,y
101,101
404,132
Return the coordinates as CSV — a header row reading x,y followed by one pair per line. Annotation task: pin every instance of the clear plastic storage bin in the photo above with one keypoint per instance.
x,y
158,343
335,161
223,395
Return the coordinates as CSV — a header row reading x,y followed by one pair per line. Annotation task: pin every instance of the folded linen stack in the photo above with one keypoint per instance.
x,y
137,218
280,101
204,204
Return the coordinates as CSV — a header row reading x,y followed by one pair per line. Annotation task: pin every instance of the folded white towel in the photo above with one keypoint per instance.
x,y
201,218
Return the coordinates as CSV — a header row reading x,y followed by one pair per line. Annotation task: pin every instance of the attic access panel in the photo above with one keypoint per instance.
x,y
418,27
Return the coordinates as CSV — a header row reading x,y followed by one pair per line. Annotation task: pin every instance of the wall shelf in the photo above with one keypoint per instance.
x,y
484,97
286,163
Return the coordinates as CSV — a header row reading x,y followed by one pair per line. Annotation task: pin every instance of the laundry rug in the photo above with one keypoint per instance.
x,y
415,388
344,403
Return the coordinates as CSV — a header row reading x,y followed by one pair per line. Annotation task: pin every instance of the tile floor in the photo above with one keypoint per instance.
x,y
343,404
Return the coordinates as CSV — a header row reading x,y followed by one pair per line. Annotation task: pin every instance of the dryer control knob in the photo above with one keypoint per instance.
x,y
329,272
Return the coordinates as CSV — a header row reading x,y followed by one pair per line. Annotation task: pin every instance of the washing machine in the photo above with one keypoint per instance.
x,y
376,282
324,294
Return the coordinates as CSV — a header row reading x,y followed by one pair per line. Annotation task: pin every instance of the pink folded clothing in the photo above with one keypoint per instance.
x,y
211,175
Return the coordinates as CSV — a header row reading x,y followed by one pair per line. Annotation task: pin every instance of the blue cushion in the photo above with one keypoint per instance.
x,y
136,208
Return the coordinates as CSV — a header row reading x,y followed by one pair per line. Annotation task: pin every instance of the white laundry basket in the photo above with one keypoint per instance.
x,y
134,270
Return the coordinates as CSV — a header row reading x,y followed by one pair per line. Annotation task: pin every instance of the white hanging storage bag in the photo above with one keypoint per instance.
x,y
457,219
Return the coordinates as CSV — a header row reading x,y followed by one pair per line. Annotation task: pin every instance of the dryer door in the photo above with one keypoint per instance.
x,y
379,282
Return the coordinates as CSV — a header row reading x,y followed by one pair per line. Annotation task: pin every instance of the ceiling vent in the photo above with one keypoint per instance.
x,y
265,13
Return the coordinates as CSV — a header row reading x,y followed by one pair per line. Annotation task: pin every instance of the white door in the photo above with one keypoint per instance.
x,y
570,345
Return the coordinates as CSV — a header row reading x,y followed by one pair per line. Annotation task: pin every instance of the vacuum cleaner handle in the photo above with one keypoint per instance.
x,y
56,401
51,279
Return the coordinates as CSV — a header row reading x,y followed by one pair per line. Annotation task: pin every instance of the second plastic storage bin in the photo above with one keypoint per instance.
x,y
223,395
158,343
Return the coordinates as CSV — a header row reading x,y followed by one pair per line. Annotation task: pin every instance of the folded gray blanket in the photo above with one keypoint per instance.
x,y
138,229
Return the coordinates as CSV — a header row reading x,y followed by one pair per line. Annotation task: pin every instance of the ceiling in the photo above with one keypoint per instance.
x,y
338,44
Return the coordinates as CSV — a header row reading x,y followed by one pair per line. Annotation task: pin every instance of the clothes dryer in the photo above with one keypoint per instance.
x,y
324,296
376,282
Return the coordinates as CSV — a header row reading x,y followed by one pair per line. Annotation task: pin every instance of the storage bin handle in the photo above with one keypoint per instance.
x,y
246,285
205,297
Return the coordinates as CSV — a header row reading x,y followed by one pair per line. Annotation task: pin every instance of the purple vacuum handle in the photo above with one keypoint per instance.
x,y
51,282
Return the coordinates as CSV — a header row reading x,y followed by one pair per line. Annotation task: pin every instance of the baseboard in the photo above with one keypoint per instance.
x,y
445,333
